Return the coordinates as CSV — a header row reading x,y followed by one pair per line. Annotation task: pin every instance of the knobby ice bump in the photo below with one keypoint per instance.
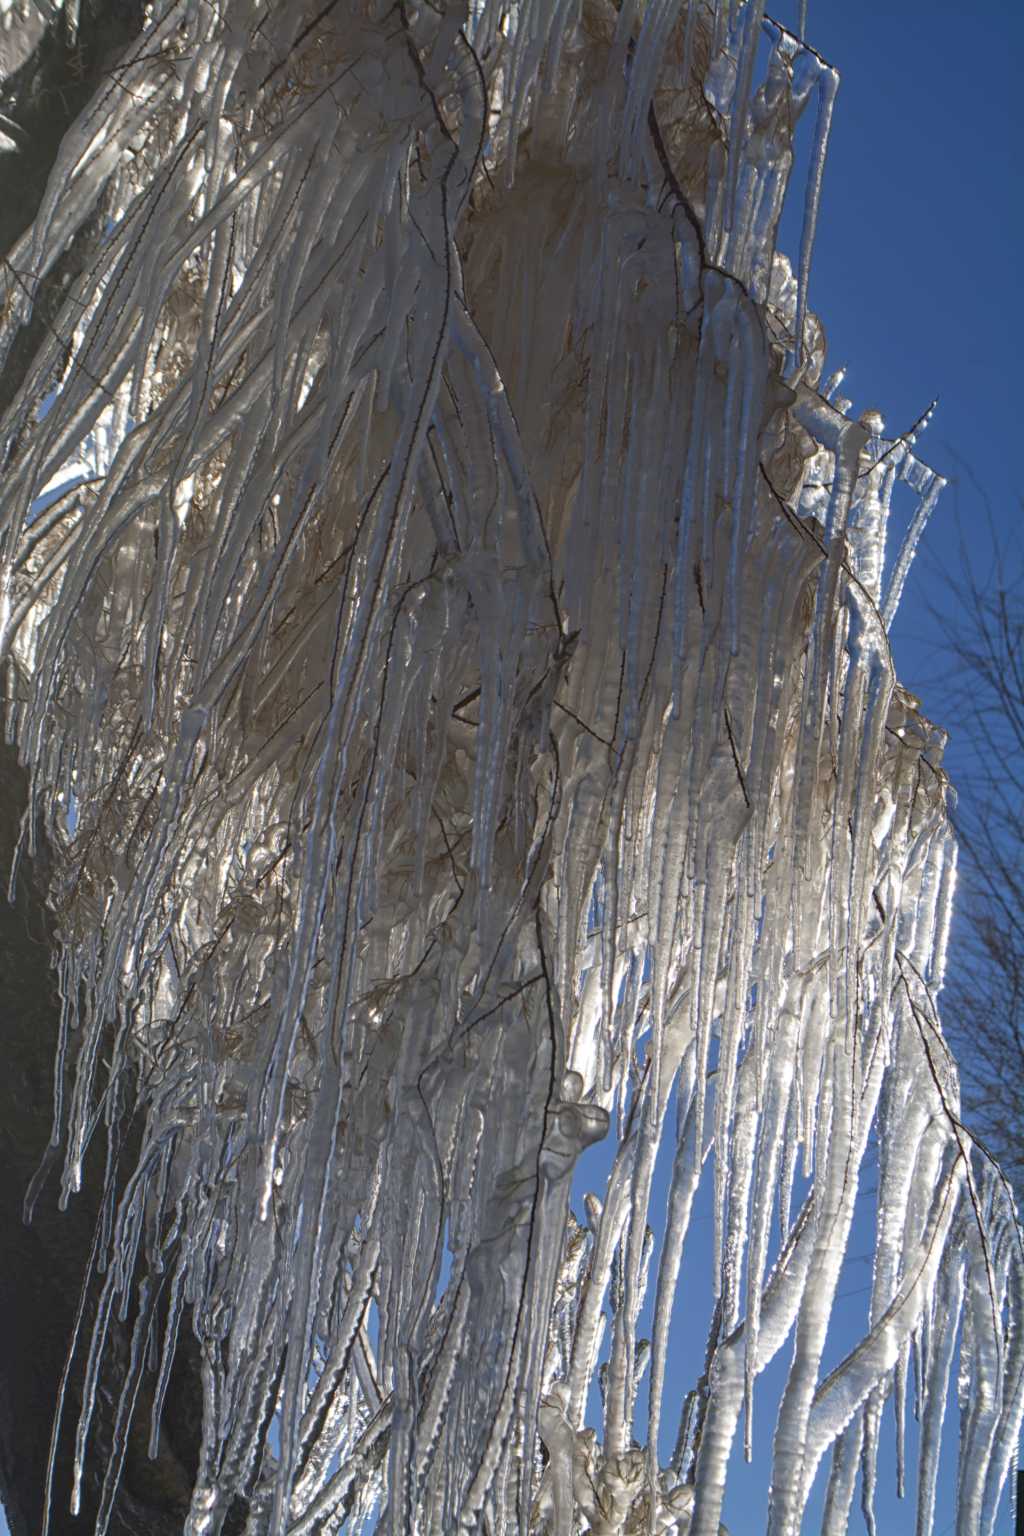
x,y
457,692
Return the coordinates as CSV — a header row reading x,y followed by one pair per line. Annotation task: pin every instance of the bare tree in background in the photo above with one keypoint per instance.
x,y
983,1004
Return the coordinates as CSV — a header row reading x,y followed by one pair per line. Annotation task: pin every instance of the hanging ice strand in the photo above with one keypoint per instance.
x,y
456,689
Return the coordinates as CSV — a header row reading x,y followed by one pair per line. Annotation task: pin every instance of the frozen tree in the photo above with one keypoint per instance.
x,y
444,612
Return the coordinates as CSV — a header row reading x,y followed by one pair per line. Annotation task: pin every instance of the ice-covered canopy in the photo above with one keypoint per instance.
x,y
452,662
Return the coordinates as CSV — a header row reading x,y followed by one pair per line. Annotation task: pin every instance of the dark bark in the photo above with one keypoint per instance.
x,y
44,1264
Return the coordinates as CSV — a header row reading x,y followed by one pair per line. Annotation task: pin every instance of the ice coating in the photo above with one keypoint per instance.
x,y
455,679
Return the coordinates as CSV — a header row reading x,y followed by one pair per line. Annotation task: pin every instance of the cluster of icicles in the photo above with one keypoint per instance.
x,y
451,656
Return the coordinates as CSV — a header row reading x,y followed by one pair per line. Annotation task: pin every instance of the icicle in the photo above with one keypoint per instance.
x,y
828,86
907,549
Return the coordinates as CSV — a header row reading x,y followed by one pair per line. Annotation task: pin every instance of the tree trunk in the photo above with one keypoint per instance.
x,y
50,77
45,1262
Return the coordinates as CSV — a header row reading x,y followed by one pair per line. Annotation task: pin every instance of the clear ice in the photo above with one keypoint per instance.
x,y
453,669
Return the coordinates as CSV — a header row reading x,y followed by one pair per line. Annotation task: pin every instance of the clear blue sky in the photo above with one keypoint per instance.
x,y
917,264
915,276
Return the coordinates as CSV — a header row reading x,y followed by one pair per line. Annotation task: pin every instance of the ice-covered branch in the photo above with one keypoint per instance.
x,y
457,689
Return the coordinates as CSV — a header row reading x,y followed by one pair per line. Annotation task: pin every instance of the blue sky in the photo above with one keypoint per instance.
x,y
915,276
917,262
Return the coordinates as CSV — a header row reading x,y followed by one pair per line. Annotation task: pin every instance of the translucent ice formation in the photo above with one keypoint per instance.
x,y
455,681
